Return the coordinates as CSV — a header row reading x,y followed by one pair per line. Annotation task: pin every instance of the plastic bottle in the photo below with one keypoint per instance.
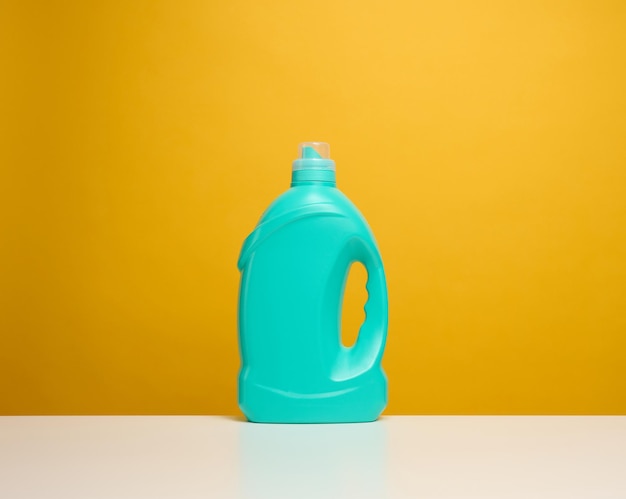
x,y
294,268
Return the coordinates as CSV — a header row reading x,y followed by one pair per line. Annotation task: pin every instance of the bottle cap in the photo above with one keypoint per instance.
x,y
313,156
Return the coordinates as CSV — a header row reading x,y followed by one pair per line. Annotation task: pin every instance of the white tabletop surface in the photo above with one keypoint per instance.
x,y
397,457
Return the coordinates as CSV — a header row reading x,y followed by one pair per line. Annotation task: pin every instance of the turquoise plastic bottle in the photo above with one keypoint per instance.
x,y
294,268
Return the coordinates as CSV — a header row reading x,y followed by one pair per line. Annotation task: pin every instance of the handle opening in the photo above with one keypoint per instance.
x,y
353,306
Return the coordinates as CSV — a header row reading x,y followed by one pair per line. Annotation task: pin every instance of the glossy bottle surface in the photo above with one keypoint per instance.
x,y
294,268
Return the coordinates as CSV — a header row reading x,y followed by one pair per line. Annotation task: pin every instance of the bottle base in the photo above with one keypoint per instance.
x,y
353,404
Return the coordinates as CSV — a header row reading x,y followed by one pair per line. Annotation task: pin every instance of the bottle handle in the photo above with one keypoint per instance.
x,y
370,343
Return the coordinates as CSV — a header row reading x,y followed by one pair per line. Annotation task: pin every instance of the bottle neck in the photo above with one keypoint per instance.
x,y
313,177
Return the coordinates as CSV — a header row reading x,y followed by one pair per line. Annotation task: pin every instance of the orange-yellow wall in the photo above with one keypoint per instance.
x,y
484,141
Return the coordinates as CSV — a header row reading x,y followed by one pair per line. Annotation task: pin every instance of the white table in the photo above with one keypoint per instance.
x,y
397,457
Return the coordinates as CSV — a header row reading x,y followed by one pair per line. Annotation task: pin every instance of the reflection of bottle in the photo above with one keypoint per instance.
x,y
294,267
313,461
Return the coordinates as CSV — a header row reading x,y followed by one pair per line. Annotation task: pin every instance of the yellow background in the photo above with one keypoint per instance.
x,y
485,142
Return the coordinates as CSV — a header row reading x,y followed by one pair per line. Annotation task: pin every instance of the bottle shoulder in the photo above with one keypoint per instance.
x,y
308,196
303,202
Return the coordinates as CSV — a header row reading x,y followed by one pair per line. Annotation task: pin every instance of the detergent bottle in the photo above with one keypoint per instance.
x,y
294,267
